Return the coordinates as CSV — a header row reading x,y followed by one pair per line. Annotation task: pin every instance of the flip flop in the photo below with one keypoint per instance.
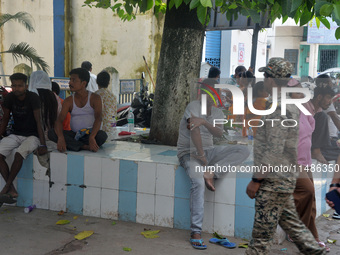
x,y
7,199
223,242
201,246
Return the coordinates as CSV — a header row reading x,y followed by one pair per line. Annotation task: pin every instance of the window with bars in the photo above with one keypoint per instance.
x,y
328,59
292,56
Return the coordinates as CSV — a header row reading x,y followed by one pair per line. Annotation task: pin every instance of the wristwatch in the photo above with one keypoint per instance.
x,y
257,180
334,185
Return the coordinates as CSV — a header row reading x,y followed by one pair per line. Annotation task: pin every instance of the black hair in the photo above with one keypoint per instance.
x,y
323,91
258,86
55,88
239,70
49,107
82,73
322,80
214,72
249,76
86,65
18,76
103,79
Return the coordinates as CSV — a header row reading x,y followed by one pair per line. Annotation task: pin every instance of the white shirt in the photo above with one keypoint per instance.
x,y
333,130
92,86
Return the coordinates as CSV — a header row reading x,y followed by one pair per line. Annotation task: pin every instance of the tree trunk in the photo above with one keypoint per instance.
x,y
178,68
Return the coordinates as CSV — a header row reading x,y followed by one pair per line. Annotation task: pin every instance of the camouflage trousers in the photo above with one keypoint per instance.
x,y
272,208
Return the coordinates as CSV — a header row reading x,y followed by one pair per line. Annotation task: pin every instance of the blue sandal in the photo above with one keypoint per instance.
x,y
201,246
223,242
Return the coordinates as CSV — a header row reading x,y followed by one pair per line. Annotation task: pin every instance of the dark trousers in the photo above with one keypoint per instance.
x,y
74,145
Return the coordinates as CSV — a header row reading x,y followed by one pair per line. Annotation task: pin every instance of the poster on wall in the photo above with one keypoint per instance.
x,y
322,35
241,54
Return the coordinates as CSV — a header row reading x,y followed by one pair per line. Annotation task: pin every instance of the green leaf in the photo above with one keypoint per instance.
x,y
286,6
146,5
194,4
271,1
171,4
325,22
295,5
284,19
120,13
254,15
326,10
317,21
202,14
187,2
116,6
206,3
178,3
128,8
318,5
126,249
336,12
219,2
233,6
337,33
305,17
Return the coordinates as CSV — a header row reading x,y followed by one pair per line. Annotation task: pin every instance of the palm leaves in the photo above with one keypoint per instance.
x,y
23,50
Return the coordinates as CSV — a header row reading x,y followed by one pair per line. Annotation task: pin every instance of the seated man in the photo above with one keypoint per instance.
x,y
27,133
86,117
196,152
109,101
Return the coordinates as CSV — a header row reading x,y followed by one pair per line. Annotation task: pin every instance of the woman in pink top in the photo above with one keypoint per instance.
x,y
304,193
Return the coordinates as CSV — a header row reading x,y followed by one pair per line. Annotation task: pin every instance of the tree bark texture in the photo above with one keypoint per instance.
x,y
178,68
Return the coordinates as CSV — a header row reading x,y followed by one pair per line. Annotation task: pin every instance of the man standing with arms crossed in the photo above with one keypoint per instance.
x,y
276,145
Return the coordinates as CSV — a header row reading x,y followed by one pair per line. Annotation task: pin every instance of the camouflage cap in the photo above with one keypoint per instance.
x,y
278,68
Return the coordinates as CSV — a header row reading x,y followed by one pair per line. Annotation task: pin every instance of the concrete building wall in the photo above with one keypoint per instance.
x,y
96,35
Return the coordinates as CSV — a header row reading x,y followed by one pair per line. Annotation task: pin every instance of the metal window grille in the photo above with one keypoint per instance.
x,y
328,59
292,56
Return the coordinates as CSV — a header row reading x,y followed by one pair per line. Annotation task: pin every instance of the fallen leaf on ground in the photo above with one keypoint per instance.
x,y
150,234
114,223
126,249
331,241
61,213
83,235
63,222
215,234
75,217
326,215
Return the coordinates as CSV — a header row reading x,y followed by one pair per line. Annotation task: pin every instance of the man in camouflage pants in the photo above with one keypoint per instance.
x,y
276,146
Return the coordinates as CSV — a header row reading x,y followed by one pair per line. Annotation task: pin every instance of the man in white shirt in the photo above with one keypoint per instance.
x,y
92,86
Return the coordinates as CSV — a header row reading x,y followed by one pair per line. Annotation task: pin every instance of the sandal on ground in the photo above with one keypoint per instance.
x,y
223,242
200,245
323,245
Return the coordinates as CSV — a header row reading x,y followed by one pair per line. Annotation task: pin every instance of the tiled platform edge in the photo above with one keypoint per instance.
x,y
154,193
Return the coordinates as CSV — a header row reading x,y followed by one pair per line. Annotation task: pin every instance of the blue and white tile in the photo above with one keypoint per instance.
x,y
164,159
75,199
224,219
181,213
164,211
58,163
58,197
165,180
127,205
39,172
93,171
41,196
146,182
91,206
225,190
128,173
75,163
25,191
145,209
109,204
208,220
110,173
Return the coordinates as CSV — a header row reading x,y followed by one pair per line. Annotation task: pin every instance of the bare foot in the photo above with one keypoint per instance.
x,y
197,236
209,181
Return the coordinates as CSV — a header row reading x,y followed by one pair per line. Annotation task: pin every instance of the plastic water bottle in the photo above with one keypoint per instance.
x,y
29,209
250,136
131,121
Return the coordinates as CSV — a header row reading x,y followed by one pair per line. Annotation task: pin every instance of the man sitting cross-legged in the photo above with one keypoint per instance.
x,y
27,133
86,117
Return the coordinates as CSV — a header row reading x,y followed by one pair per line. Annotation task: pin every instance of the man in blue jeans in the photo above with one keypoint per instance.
x,y
196,153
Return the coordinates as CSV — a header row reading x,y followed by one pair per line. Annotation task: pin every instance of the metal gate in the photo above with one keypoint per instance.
x,y
127,88
328,59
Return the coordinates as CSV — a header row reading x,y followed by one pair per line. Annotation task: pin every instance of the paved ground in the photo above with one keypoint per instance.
x,y
37,233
